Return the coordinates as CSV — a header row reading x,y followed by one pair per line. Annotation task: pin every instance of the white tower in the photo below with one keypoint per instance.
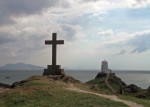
x,y
104,67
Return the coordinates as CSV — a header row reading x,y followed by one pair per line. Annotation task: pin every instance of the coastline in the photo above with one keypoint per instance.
x,y
139,79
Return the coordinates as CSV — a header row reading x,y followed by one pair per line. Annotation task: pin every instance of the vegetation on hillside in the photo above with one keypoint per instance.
x,y
99,84
128,92
42,91
144,102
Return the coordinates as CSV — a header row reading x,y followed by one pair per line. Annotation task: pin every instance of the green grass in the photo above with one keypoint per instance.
x,y
144,102
58,99
114,83
99,86
48,93
35,99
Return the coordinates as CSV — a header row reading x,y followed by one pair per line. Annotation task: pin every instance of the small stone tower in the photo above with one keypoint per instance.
x,y
105,70
104,67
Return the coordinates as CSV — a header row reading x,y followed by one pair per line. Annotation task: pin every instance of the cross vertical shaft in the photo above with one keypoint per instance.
x,y
54,49
54,43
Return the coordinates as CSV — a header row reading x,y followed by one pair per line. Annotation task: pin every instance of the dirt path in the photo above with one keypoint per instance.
x,y
4,90
109,86
111,97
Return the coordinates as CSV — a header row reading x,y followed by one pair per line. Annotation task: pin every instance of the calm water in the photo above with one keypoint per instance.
x,y
139,78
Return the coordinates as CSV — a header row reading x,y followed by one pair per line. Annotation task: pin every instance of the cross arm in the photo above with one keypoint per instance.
x,y
60,42
48,42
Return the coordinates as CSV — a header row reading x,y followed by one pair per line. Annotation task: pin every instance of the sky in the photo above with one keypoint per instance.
x,y
93,30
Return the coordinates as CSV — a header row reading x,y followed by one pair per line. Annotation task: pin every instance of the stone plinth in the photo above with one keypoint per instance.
x,y
54,70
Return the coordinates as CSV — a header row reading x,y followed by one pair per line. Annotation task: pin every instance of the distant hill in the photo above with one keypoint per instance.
x,y
21,66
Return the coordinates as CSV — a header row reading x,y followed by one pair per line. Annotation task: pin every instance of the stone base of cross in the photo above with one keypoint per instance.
x,y
54,70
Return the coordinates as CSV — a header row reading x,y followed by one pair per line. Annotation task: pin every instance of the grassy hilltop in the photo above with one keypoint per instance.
x,y
46,91
40,91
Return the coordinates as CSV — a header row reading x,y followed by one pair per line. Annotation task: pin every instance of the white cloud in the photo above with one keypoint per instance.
x,y
106,33
138,3
119,43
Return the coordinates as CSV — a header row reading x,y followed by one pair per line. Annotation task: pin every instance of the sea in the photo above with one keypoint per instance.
x,y
139,78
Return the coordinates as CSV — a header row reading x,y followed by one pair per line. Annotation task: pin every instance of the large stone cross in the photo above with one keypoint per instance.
x,y
54,43
54,69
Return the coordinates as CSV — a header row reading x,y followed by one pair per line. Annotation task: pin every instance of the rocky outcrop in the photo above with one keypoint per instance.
x,y
131,88
64,78
70,79
104,83
144,94
20,83
4,85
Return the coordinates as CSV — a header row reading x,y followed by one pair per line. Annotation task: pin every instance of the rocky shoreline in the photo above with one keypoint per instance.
x,y
4,87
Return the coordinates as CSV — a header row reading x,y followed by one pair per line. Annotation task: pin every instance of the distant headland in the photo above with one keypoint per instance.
x,y
21,66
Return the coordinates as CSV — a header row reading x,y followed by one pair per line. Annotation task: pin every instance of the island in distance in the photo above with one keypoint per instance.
x,y
21,66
